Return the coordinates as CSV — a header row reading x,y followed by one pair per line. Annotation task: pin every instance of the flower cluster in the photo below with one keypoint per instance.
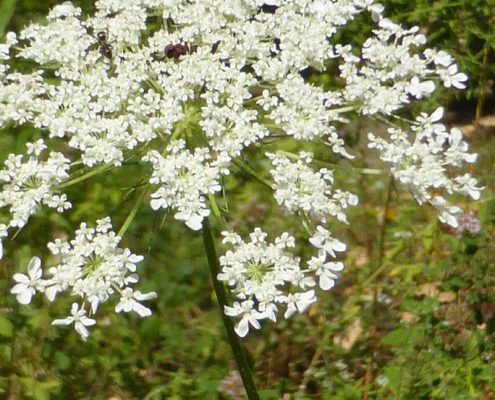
x,y
29,184
299,188
421,160
92,267
187,86
184,180
265,276
306,112
391,73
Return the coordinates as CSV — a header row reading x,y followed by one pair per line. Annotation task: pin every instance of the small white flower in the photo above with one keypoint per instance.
x,y
258,236
27,285
325,271
451,77
467,185
285,241
130,260
249,316
440,58
376,11
79,319
299,302
130,302
36,148
11,38
447,214
4,51
231,238
420,89
325,243
382,380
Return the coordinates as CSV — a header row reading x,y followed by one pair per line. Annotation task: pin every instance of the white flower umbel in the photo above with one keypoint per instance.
x,y
91,267
299,188
389,70
265,276
185,179
118,89
191,95
422,159
29,184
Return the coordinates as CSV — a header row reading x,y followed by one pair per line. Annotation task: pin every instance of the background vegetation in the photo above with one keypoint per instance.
x,y
412,318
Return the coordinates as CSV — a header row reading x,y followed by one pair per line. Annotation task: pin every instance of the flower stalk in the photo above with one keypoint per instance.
x,y
235,344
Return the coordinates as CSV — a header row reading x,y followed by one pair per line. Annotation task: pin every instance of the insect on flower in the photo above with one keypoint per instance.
x,y
175,50
105,48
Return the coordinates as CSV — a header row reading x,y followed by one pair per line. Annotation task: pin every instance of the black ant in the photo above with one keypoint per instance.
x,y
105,47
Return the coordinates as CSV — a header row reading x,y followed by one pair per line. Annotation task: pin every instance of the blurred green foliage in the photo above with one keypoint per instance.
x,y
413,317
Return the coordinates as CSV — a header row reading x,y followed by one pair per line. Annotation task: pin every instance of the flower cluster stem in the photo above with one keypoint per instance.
x,y
133,212
235,344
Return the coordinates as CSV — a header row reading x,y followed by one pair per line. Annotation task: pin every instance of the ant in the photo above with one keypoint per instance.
x,y
105,47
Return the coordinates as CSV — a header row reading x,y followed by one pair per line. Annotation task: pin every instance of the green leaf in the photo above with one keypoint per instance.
x,y
6,327
62,360
7,8
420,307
41,393
403,336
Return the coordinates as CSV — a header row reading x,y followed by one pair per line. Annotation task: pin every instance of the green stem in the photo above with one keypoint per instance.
x,y
380,249
133,212
214,206
364,171
251,171
83,177
343,109
380,252
235,344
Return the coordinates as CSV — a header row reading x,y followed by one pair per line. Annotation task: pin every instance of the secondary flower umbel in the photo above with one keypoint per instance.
x,y
93,268
265,276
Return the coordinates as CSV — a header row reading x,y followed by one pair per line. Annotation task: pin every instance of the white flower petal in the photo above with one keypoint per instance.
x,y
145,296
64,321
242,327
34,268
141,310
21,278
51,292
25,296
326,282
195,222
81,329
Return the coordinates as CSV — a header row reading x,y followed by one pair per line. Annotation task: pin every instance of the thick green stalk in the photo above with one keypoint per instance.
x,y
235,344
